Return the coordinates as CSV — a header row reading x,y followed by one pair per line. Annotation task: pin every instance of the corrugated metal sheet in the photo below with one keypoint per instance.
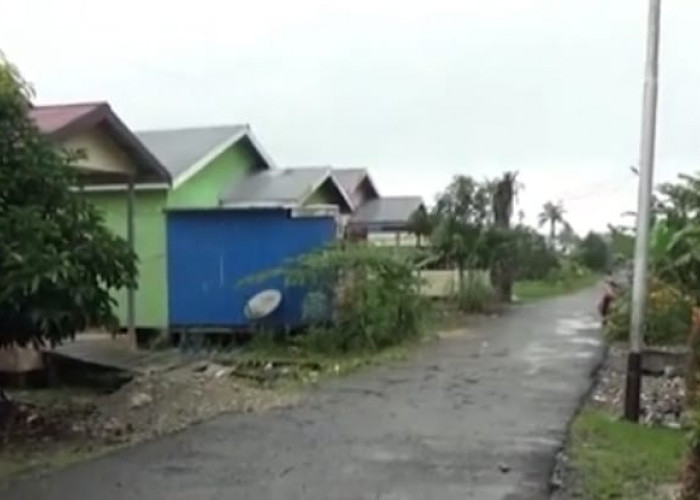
x,y
283,187
210,251
179,149
387,212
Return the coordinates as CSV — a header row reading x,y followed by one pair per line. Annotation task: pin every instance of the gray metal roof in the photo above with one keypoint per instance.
x,y
179,149
349,178
283,187
390,210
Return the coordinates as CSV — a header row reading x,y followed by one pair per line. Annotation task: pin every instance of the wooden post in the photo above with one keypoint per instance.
x,y
130,292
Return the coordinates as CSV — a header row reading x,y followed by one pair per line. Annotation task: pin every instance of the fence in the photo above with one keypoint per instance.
x,y
443,283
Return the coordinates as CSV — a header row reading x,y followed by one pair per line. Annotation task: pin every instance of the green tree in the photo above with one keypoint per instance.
x,y
58,261
460,214
553,215
675,236
421,224
535,259
593,252
621,243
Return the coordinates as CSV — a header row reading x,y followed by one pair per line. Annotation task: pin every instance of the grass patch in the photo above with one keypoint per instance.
x,y
541,289
287,365
619,460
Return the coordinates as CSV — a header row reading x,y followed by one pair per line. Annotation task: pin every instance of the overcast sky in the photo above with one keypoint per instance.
x,y
416,90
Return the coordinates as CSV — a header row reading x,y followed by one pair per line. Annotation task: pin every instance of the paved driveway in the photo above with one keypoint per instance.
x,y
474,416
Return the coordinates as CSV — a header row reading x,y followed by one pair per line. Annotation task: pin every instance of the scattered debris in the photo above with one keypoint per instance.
x,y
140,399
662,396
662,401
504,468
37,423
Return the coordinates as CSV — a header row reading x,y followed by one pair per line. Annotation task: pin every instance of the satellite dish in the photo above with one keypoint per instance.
x,y
262,304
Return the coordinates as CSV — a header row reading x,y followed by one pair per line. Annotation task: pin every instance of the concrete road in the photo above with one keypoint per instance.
x,y
477,416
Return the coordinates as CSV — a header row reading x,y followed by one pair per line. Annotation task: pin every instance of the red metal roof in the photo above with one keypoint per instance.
x,y
63,120
52,119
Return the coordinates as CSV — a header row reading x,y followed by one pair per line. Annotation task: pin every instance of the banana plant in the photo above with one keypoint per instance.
x,y
682,259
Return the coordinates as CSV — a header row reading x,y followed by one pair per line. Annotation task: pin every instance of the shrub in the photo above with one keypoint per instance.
x,y
374,292
667,319
58,260
567,271
476,294
594,252
535,258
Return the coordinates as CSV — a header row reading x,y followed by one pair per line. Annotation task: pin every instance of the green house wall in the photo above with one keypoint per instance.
x,y
325,194
149,238
202,190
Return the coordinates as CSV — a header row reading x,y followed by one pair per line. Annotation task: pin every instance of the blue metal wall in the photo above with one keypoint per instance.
x,y
210,251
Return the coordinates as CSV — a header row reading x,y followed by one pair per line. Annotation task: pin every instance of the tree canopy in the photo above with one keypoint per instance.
x,y
594,252
552,214
58,261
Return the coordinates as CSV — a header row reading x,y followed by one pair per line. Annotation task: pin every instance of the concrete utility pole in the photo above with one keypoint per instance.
x,y
641,250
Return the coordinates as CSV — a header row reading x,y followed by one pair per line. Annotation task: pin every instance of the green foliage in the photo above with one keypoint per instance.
x,y
472,230
621,244
621,460
377,301
535,260
678,203
675,248
667,319
476,294
57,259
421,224
460,214
567,271
593,252
559,282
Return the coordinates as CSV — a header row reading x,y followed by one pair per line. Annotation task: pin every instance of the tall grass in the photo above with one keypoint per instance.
x,y
476,295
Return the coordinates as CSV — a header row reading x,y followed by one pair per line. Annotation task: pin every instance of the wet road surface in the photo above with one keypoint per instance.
x,y
479,415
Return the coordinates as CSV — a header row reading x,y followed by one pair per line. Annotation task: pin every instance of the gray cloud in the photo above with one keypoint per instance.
x,y
416,90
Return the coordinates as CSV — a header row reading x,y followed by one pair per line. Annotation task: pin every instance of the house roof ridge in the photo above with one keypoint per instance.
x,y
70,104
194,127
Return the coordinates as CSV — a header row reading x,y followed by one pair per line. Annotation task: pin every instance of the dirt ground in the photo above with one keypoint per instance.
x,y
662,394
53,427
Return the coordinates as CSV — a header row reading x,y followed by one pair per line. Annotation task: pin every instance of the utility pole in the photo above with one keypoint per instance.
x,y
641,250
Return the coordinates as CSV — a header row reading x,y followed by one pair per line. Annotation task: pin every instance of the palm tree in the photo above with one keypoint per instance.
x,y
503,194
552,214
567,238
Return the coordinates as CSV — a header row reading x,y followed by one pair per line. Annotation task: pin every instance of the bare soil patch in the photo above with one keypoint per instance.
x,y
44,428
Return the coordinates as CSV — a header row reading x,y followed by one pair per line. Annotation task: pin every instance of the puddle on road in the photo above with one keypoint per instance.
x,y
586,341
385,455
572,326
540,355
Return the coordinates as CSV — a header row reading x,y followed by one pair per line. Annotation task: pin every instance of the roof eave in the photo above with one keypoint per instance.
x,y
205,160
136,147
123,135
250,205
328,176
